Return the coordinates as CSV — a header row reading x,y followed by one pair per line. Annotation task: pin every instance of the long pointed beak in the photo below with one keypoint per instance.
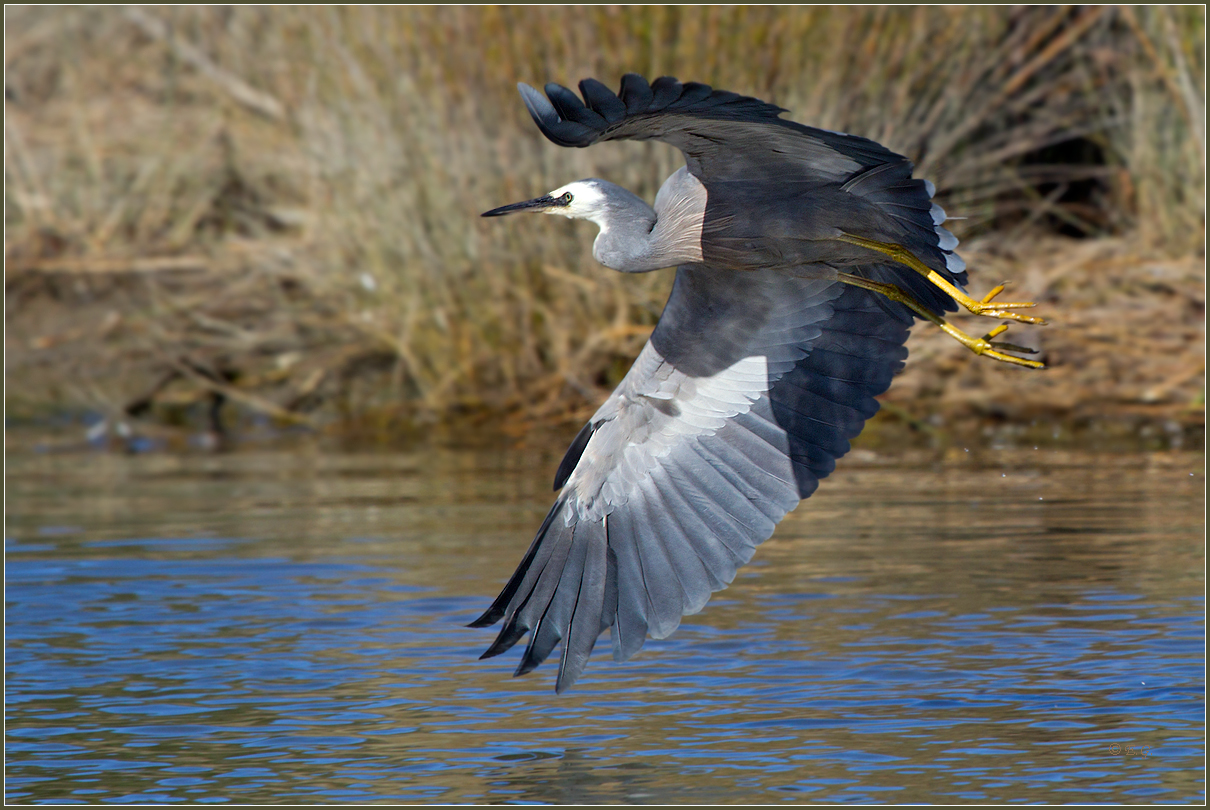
x,y
536,205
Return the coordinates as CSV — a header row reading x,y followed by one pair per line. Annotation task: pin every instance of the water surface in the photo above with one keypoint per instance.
x,y
1004,626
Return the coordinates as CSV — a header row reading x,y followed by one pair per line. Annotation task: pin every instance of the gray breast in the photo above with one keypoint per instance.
x,y
680,209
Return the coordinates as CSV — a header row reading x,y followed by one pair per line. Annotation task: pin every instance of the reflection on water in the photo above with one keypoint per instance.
x,y
263,627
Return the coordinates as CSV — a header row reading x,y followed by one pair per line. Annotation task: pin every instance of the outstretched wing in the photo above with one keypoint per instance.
x,y
804,184
748,391
714,128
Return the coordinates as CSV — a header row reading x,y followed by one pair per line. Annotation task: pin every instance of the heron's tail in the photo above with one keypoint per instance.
x,y
910,218
559,591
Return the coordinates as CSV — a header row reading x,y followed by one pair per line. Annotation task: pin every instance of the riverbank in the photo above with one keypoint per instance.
x,y
1125,348
227,220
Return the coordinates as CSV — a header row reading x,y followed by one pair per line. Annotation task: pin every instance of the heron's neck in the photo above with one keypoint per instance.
x,y
635,238
625,240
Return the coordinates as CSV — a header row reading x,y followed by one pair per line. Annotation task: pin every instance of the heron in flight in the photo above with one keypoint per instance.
x,y
802,258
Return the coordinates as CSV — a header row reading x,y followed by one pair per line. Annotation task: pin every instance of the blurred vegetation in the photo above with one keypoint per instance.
x,y
278,207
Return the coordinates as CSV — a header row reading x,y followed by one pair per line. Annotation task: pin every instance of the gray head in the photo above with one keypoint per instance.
x,y
589,199
632,238
626,222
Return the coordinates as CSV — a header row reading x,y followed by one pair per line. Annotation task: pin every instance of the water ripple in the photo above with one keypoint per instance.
x,y
292,652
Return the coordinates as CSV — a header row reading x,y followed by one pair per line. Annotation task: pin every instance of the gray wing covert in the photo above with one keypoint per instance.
x,y
732,412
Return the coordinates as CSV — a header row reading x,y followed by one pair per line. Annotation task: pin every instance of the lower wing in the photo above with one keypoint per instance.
x,y
749,390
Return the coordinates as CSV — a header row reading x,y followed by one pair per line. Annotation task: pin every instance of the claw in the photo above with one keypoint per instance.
x,y
983,346
987,348
999,288
1008,347
999,309
1013,347
984,307
1003,311
1008,358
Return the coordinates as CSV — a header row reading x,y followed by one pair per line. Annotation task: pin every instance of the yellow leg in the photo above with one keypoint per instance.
x,y
984,307
983,346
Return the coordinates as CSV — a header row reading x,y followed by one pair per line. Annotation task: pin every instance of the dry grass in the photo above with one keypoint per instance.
x,y
1126,342
280,205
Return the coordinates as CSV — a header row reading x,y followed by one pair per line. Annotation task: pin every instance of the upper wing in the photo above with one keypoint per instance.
x,y
725,136
749,389
772,183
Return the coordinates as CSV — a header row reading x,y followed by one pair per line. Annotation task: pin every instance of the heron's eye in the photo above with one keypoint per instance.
x,y
566,198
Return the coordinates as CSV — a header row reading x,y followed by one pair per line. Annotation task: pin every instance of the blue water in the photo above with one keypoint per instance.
x,y
274,628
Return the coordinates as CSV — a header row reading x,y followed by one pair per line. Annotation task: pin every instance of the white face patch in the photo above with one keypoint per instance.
x,y
586,200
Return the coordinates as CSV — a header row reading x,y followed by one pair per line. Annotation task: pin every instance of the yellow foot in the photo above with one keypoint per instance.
x,y
986,307
986,347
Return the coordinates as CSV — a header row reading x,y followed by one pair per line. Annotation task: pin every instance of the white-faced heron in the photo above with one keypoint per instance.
x,y
802,257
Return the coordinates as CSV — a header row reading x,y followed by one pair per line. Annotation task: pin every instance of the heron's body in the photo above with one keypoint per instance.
x,y
783,326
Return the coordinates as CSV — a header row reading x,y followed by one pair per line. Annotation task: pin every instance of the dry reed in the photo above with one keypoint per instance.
x,y
279,205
